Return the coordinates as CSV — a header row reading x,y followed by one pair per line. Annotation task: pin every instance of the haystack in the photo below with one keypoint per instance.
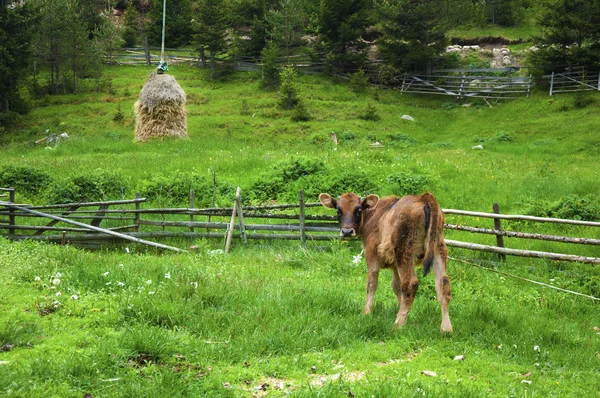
x,y
160,111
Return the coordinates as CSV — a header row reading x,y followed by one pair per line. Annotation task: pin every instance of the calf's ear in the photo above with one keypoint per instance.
x,y
370,202
327,201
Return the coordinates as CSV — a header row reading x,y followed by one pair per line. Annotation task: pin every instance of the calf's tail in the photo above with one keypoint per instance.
x,y
431,212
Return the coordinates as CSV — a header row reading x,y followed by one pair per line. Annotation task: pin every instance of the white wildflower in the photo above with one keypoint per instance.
x,y
120,284
75,297
108,283
148,282
37,279
120,265
58,294
52,287
357,259
106,273
58,275
168,275
127,250
56,281
195,284
151,292
536,348
55,303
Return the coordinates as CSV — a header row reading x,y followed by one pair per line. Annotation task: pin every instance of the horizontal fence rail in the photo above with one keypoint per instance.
x,y
575,80
80,224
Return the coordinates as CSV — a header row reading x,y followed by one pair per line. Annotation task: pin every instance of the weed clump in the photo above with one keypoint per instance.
x,y
300,113
408,183
359,81
25,179
573,207
370,113
175,188
95,186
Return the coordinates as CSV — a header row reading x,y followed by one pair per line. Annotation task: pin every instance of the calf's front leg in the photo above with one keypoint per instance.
x,y
372,280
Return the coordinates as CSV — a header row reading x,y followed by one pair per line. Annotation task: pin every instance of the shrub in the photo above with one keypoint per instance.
x,y
264,189
289,89
571,207
175,188
300,113
96,186
370,113
298,168
359,81
270,73
25,179
356,181
408,183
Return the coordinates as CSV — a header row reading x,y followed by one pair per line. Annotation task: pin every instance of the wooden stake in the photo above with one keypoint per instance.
x,y
240,213
191,207
11,218
302,224
498,227
232,223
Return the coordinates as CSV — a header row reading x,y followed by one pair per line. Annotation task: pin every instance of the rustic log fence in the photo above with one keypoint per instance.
x,y
125,219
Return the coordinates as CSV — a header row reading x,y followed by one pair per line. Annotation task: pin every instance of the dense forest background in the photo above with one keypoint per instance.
x,y
48,46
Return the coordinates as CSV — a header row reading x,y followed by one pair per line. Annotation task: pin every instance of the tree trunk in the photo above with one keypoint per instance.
x,y
212,65
147,50
6,104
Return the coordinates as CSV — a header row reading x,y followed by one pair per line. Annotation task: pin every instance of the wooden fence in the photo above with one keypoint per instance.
x,y
496,83
576,79
126,219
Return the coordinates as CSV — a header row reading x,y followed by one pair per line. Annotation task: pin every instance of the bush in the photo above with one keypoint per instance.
x,y
356,181
270,73
96,186
25,179
370,113
359,81
175,189
571,207
289,90
298,168
408,183
265,189
300,113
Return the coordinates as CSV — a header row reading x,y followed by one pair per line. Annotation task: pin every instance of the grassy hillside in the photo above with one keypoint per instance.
x,y
278,320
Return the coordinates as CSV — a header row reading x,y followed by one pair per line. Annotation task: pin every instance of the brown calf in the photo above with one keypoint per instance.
x,y
397,233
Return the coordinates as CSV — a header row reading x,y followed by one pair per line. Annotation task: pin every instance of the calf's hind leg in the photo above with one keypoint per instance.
x,y
442,287
409,284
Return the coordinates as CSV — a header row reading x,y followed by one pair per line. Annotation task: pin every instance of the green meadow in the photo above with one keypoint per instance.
x,y
276,319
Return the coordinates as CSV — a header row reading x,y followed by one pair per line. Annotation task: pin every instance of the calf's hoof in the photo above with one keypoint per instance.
x,y
446,328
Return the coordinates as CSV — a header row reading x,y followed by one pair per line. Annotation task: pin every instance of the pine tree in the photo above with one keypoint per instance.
x,y
210,30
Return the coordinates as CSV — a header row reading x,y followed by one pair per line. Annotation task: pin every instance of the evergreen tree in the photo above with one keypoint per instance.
x,y
210,30
570,36
178,23
270,71
286,25
341,24
15,36
414,34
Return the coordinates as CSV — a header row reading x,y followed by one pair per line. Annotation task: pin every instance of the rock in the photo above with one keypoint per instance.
x,y
533,48
459,358
477,147
506,61
407,117
429,373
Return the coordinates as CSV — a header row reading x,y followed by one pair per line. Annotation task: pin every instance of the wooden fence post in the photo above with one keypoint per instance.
x,y
11,217
498,227
191,207
240,213
302,217
551,83
232,223
136,221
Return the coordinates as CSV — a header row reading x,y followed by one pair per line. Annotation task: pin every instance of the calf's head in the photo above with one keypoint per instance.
x,y
350,208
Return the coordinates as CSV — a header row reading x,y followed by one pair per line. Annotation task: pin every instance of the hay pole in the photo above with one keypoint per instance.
x,y
96,229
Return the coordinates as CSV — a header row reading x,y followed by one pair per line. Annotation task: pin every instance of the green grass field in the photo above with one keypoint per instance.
x,y
279,320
